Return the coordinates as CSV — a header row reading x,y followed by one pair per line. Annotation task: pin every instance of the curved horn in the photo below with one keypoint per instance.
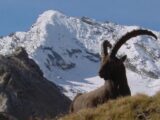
x,y
127,36
105,46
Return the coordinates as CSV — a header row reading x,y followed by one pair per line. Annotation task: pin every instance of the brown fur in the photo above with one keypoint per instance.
x,y
71,109
93,98
113,71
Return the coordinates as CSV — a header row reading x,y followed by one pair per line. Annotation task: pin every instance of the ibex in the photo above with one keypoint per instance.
x,y
113,71
104,50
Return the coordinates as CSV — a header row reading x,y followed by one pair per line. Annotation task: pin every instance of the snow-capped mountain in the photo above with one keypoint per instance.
x,y
67,49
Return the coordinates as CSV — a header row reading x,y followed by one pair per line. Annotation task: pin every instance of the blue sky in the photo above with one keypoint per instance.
x,y
19,15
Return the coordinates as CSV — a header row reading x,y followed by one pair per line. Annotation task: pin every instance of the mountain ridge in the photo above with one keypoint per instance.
x,y
67,49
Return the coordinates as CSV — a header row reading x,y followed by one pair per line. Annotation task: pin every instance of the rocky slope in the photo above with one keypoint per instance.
x,y
67,50
24,92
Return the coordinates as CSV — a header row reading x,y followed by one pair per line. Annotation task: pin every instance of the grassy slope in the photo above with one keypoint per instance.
x,y
139,107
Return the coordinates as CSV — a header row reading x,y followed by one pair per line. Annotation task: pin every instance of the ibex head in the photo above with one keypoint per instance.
x,y
112,67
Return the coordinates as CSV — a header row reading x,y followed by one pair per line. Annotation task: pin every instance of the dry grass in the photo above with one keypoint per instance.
x,y
139,107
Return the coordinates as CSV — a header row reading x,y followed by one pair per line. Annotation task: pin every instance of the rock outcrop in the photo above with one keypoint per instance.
x,y
24,92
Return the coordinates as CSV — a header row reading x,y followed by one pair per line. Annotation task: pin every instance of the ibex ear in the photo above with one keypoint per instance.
x,y
123,58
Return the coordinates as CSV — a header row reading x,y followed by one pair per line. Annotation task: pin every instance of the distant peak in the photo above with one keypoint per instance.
x,y
48,17
51,12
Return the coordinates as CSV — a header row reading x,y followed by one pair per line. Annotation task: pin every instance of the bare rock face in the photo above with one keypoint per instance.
x,y
5,116
24,92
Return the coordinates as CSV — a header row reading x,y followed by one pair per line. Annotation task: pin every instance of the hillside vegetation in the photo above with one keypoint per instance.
x,y
139,107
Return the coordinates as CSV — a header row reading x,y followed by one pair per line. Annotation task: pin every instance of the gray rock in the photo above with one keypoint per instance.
x,y
24,92
5,116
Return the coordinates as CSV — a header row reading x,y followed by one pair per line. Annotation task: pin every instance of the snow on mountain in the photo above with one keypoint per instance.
x,y
67,49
